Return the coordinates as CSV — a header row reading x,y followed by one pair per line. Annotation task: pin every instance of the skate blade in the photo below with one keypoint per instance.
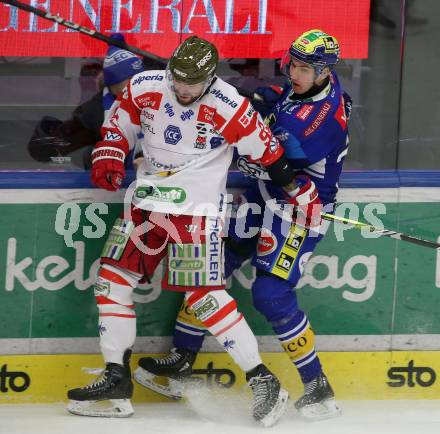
x,y
326,409
173,390
105,408
278,410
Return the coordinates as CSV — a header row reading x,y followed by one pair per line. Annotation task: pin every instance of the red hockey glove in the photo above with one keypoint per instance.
x,y
108,169
306,202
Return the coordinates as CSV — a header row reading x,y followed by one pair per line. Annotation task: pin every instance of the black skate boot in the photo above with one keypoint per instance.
x,y
318,401
270,400
173,368
114,385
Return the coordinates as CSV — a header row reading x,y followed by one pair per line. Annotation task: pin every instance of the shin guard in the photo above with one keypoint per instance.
x,y
217,310
117,318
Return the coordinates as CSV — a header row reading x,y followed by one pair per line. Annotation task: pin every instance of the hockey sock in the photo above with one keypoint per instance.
x,y
189,332
298,341
217,310
117,318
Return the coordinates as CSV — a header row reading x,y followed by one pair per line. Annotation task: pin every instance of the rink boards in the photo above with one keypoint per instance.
x,y
373,302
354,375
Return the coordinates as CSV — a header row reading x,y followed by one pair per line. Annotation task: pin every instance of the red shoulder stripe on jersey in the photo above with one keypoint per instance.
x,y
218,121
241,124
128,104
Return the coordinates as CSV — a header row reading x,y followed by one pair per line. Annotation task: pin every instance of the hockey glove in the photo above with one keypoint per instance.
x,y
270,94
252,169
108,169
289,142
307,204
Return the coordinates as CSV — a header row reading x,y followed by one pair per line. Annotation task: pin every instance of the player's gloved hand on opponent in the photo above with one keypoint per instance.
x,y
270,94
306,201
108,169
253,169
289,142
265,99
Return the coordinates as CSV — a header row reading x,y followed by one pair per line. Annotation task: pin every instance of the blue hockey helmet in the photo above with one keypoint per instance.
x,y
316,48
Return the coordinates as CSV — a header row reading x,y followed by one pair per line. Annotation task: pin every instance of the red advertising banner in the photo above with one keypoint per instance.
x,y
239,28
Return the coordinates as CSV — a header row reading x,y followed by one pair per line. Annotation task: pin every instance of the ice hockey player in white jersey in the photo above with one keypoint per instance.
x,y
189,119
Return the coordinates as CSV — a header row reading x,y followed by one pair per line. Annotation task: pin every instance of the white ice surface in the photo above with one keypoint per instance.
x,y
229,416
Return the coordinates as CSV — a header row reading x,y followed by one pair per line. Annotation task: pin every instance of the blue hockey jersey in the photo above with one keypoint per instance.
x,y
314,134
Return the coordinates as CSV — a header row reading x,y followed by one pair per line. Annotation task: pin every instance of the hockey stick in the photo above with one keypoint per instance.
x,y
382,232
109,40
89,32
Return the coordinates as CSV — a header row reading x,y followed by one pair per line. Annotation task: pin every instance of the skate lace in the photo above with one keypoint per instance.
x,y
170,359
98,381
99,372
310,387
260,388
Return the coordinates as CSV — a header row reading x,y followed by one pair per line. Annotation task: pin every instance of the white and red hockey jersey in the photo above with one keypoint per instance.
x,y
186,148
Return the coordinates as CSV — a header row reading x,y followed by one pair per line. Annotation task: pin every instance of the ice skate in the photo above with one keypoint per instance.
x,y
318,401
270,400
108,396
166,375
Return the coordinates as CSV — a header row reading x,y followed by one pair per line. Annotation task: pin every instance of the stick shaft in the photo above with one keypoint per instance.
x,y
383,232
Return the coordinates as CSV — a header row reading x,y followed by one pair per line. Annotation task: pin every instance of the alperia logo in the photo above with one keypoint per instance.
x,y
162,194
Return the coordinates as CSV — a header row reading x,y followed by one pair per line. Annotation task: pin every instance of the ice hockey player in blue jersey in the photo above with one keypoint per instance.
x,y
310,120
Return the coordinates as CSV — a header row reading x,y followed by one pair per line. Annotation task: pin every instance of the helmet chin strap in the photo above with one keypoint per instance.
x,y
320,69
208,86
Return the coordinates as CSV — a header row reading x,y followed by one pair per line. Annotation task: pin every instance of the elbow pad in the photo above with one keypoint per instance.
x,y
280,172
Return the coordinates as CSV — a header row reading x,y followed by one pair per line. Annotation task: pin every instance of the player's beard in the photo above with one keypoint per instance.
x,y
188,99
